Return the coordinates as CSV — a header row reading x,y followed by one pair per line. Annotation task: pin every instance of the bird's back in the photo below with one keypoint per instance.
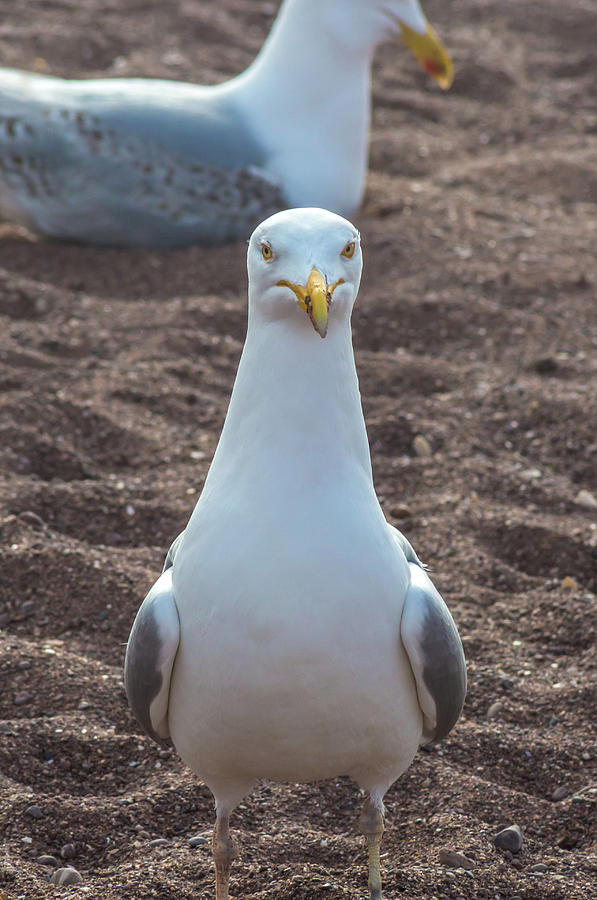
x,y
128,161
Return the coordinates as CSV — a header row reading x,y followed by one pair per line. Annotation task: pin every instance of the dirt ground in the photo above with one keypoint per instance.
x,y
476,328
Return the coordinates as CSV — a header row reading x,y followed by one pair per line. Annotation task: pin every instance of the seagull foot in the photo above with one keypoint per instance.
x,y
371,823
224,853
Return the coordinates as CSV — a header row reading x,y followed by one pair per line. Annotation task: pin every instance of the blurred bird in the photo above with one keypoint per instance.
x,y
294,634
146,162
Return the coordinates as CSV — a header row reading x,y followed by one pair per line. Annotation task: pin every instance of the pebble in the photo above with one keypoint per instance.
x,y
506,683
560,792
455,860
27,608
34,811
538,867
31,518
586,499
400,512
546,365
494,710
47,860
67,875
197,840
569,584
532,473
69,851
21,697
509,838
159,842
421,446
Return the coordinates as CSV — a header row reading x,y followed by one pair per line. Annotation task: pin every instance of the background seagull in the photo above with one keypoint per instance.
x,y
147,162
294,634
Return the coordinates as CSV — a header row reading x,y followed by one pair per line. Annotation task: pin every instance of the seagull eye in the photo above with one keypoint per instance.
x,y
348,251
267,252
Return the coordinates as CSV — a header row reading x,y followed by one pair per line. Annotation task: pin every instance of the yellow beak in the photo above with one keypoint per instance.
x,y
431,53
315,298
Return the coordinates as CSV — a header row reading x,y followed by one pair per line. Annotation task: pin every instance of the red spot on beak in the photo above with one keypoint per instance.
x,y
432,67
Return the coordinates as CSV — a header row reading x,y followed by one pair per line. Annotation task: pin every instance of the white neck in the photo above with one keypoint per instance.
x,y
310,96
302,425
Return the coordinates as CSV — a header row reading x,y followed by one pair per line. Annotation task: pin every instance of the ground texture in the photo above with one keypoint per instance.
x,y
476,328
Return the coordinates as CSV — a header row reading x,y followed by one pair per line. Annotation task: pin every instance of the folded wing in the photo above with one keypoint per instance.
x,y
150,655
435,652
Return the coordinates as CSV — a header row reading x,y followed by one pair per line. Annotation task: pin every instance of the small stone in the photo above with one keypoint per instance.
x,y
69,851
506,683
586,499
538,867
67,875
569,584
531,473
197,840
159,842
421,446
547,365
509,838
399,512
567,840
21,698
47,860
84,704
34,811
31,518
455,860
560,792
27,608
494,710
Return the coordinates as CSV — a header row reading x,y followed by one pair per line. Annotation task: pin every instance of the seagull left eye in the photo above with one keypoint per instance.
x,y
267,252
348,251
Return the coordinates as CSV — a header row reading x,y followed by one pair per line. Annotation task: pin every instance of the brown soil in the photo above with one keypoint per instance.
x,y
476,327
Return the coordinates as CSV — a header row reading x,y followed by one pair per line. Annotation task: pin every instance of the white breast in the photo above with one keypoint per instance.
x,y
290,665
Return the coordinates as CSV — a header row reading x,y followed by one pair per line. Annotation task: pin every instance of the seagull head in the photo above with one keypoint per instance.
x,y
304,265
366,23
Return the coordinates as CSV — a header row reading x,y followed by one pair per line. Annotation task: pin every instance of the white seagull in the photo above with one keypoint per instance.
x,y
293,634
144,162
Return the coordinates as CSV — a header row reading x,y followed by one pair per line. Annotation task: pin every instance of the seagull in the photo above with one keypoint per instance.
x,y
293,634
135,162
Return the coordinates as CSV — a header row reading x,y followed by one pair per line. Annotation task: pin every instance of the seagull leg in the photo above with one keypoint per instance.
x,y
223,852
371,822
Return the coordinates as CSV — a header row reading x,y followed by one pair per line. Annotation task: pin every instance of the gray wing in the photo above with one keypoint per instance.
x,y
405,546
150,654
434,649
129,162
173,550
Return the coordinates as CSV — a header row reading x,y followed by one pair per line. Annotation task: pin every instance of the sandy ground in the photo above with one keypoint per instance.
x,y
475,328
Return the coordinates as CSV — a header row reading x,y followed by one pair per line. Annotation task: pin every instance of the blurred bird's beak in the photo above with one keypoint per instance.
x,y
430,52
315,298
